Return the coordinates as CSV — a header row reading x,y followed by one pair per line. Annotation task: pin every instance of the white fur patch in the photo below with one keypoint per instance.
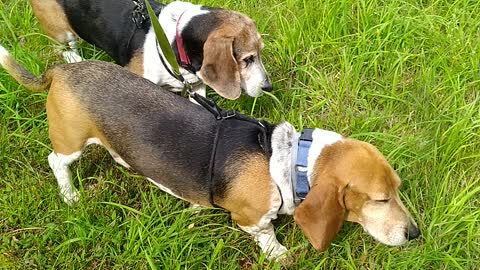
x,y
281,164
114,155
59,164
72,55
253,78
3,54
152,65
321,138
266,240
164,188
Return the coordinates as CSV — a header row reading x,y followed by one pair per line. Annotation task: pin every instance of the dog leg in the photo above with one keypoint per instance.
x,y
258,223
70,126
254,201
264,236
59,164
72,55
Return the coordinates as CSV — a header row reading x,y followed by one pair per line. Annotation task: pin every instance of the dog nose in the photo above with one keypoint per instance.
x,y
267,87
413,232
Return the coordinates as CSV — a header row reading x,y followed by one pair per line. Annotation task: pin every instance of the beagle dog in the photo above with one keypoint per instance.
x,y
217,47
253,169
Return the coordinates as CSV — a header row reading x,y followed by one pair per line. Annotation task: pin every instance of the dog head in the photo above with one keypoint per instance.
x,y
351,180
232,57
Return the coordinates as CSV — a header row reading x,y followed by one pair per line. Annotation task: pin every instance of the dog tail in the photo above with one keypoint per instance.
x,y
23,76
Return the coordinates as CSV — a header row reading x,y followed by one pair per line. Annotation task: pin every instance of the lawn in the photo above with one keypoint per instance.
x,y
403,75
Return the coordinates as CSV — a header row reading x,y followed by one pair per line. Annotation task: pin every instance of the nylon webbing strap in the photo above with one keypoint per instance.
x,y
221,115
301,164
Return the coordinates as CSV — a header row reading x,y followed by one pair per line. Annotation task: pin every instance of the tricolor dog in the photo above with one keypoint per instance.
x,y
253,169
218,47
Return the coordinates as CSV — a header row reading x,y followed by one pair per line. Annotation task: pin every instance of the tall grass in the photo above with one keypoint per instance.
x,y
402,74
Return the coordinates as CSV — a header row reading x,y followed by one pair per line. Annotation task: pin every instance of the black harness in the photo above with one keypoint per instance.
x,y
221,116
140,18
139,13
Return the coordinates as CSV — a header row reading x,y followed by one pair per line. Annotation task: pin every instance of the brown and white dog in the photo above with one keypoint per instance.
x,y
220,48
243,165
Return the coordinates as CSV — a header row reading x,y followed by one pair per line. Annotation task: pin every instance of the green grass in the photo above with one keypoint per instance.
x,y
401,74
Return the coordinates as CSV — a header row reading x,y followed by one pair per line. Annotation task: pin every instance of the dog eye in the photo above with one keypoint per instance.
x,y
383,201
248,60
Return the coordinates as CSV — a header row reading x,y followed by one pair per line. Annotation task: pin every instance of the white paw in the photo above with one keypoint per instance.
x,y
279,253
72,57
70,197
196,206
197,209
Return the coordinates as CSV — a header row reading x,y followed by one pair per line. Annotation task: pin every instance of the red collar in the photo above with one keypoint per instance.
x,y
184,59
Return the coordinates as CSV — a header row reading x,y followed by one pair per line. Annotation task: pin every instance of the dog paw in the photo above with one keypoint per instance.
x,y
197,209
72,57
280,254
70,198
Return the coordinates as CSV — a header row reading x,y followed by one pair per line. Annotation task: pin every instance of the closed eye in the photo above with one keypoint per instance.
x,y
248,60
383,201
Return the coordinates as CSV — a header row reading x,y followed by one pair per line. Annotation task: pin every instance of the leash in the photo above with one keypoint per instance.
x,y
162,42
187,87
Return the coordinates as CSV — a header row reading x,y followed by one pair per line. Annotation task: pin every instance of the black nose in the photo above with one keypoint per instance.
x,y
267,87
413,232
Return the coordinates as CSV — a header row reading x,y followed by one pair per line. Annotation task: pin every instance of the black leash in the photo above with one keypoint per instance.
x,y
221,115
165,65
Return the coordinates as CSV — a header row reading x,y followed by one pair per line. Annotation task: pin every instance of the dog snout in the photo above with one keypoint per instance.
x,y
267,86
412,232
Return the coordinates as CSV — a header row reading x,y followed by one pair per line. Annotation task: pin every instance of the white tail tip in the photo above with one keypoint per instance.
x,y
3,53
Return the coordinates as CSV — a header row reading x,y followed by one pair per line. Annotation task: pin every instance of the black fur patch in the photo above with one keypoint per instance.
x,y
194,36
108,25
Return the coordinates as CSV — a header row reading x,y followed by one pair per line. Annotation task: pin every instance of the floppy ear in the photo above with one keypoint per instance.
x,y
219,68
320,215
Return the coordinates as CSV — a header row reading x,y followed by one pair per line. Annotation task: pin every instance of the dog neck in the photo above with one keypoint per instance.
x,y
184,59
155,71
283,163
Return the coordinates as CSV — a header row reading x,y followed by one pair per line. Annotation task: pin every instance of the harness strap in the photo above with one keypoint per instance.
x,y
212,107
211,184
221,115
139,13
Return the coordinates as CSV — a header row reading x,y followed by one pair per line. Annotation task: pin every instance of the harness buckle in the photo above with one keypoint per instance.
x,y
138,13
229,114
187,88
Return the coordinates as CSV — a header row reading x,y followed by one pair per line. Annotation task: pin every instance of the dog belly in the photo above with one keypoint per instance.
x,y
164,188
114,155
